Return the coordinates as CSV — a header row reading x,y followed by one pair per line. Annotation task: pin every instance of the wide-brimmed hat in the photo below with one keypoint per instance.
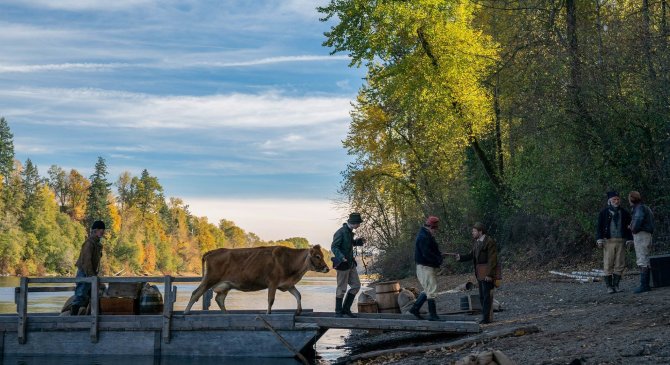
x,y
355,218
98,225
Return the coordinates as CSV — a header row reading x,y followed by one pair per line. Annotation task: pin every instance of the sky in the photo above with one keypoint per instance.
x,y
235,106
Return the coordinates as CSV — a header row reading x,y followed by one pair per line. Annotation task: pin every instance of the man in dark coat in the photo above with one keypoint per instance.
x,y
88,264
345,265
428,259
612,233
642,227
484,252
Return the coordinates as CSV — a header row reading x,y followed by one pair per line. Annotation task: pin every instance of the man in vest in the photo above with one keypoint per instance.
x,y
88,264
345,265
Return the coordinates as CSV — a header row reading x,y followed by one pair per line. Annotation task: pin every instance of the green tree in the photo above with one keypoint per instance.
x,y
6,150
97,204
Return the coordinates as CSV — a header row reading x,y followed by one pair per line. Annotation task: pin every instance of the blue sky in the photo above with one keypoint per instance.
x,y
234,105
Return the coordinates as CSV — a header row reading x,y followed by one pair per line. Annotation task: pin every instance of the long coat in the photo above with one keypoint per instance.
x,y
486,253
343,244
90,255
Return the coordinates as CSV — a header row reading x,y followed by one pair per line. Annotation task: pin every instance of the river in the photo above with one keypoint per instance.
x,y
318,293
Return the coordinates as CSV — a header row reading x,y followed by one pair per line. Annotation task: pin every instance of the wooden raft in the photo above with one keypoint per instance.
x,y
201,333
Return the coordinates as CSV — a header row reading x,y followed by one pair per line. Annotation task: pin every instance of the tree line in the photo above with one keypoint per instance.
x,y
45,219
517,113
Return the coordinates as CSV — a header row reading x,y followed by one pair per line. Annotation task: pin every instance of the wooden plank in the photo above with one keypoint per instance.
x,y
94,309
46,289
170,297
393,324
445,316
79,343
23,310
207,299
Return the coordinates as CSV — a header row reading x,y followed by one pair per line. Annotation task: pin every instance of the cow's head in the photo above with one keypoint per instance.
x,y
316,261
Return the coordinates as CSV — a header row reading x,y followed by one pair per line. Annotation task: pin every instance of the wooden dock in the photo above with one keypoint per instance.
x,y
201,333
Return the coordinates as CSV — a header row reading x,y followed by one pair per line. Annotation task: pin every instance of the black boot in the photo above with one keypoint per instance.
x,y
346,305
644,281
616,278
417,306
608,282
338,307
432,310
74,310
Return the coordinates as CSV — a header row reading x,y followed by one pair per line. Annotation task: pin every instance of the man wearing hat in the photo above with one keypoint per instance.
x,y
87,265
484,254
428,259
345,265
613,231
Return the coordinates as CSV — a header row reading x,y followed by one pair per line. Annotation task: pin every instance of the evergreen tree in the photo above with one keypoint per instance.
x,y
97,207
6,150
31,183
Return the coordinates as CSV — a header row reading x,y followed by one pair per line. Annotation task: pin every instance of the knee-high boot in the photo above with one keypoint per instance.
x,y
644,281
346,305
338,307
416,307
432,310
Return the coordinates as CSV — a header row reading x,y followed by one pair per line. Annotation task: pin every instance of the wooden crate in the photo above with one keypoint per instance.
x,y
131,290
118,305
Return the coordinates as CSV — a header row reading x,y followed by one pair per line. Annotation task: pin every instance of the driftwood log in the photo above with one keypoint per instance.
x,y
505,332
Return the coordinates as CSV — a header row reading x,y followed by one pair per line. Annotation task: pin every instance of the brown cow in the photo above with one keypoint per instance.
x,y
258,268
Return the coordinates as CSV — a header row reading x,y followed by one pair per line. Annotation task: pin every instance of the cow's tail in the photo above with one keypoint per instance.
x,y
204,267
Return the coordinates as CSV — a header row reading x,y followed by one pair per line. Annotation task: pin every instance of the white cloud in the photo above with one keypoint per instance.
x,y
62,67
82,5
273,60
274,219
140,111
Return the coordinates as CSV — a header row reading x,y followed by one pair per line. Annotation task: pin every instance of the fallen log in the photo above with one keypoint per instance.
x,y
487,336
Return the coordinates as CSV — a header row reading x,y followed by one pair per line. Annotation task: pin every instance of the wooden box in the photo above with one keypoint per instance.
x,y
660,270
131,290
473,302
118,305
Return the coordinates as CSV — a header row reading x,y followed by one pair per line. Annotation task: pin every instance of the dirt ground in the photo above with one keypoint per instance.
x,y
579,324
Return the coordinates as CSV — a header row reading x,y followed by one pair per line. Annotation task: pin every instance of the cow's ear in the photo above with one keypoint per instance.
x,y
317,247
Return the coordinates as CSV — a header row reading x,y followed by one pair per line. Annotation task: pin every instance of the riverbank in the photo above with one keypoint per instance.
x,y
576,321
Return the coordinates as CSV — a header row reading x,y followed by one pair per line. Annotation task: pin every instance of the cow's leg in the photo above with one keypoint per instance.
x,y
221,293
197,293
272,290
297,296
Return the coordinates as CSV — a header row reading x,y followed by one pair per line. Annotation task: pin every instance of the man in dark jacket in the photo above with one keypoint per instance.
x,y
428,259
88,264
642,226
345,265
613,231
484,252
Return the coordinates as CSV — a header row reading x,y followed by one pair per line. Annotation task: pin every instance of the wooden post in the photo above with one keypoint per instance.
x,y
23,310
170,297
94,309
207,299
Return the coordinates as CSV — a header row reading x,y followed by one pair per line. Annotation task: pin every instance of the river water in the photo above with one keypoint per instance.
x,y
318,293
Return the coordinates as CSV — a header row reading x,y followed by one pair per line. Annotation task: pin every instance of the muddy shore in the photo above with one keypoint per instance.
x,y
579,323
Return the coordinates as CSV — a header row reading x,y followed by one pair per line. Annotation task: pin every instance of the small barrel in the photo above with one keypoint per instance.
x,y
387,296
151,300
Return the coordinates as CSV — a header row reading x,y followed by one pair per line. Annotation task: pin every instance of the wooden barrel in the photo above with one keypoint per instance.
x,y
368,308
387,296
151,300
